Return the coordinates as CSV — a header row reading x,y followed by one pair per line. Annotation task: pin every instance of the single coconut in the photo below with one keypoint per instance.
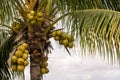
x,y
40,14
44,64
70,38
18,53
26,52
59,32
21,48
20,61
25,56
14,67
65,42
45,59
20,68
14,59
64,35
32,13
46,70
25,45
26,63
70,45
30,17
53,34
42,70
57,38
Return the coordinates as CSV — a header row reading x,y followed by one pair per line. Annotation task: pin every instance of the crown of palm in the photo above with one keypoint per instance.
x,y
95,24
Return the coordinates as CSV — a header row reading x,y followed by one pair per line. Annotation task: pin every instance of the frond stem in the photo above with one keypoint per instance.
x,y
6,26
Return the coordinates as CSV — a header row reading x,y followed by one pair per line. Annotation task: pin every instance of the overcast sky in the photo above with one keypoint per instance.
x,y
65,67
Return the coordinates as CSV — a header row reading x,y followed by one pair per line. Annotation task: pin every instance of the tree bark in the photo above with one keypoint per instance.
x,y
35,70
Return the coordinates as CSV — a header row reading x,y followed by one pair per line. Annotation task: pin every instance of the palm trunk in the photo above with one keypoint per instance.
x,y
38,46
38,50
35,71
35,56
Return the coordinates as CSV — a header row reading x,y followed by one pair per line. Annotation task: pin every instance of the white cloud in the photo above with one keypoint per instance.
x,y
65,67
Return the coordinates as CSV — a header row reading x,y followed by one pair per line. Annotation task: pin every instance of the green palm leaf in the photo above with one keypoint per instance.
x,y
96,29
72,5
7,11
6,45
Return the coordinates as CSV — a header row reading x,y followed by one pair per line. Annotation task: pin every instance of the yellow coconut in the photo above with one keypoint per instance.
x,y
26,63
64,35
25,56
57,38
44,64
65,42
21,48
18,53
70,38
42,70
14,67
46,70
25,45
45,59
30,17
20,61
59,32
40,14
26,52
14,59
32,13
53,34
70,45
20,68
60,42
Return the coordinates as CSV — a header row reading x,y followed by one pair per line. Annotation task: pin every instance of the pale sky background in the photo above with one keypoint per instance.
x,y
65,67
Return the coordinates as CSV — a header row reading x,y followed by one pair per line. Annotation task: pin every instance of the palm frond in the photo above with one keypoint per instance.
x,y
22,8
110,4
96,29
3,36
72,5
7,10
6,45
12,9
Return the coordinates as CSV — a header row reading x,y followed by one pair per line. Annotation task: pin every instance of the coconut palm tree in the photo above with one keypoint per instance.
x,y
28,25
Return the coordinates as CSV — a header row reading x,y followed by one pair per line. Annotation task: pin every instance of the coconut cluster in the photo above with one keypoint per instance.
x,y
43,66
35,18
16,26
63,38
19,59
